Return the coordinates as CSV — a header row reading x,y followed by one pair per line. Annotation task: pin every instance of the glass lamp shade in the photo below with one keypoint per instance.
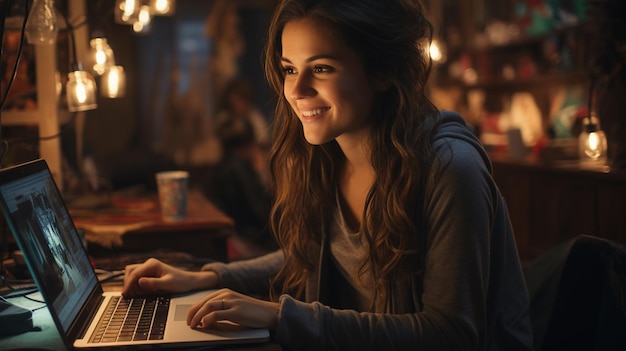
x,y
103,57
592,144
162,7
80,91
126,11
113,82
42,28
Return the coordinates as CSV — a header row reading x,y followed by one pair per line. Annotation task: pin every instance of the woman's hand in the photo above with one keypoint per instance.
x,y
228,305
154,276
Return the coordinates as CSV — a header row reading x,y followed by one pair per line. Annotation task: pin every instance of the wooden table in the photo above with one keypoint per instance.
x,y
131,222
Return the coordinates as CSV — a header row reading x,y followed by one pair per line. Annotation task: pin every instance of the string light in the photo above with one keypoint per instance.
x,y
42,28
113,82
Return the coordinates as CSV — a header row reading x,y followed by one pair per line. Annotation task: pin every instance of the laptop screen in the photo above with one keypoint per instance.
x,y
43,229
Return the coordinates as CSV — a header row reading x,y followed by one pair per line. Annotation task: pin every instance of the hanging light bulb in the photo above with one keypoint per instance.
x,y
592,144
162,7
42,27
80,91
142,25
127,11
113,82
102,55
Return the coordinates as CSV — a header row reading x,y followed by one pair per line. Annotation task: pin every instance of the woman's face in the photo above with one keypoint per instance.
x,y
325,83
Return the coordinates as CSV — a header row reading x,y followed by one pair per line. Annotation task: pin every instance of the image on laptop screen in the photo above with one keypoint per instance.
x,y
41,223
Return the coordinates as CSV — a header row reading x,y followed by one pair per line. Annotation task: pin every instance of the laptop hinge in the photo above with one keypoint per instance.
x,y
80,325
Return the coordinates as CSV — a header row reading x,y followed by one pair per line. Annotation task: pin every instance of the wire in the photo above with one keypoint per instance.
x,y
28,298
48,137
5,145
18,55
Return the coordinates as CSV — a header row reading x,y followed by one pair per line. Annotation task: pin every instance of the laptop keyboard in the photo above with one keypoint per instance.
x,y
132,319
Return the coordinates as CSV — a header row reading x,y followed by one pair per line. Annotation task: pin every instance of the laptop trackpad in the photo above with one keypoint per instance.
x,y
181,312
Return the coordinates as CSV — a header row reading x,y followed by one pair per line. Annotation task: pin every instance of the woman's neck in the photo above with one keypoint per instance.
x,y
355,181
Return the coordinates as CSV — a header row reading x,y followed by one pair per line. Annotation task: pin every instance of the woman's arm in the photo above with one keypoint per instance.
x,y
248,276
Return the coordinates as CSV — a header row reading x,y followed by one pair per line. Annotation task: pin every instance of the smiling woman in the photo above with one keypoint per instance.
x,y
392,233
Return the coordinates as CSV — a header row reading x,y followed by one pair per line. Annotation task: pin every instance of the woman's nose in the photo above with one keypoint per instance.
x,y
300,87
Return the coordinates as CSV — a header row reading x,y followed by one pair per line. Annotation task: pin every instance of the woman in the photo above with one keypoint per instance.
x,y
393,234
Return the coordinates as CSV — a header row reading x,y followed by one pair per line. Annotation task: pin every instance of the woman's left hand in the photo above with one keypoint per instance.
x,y
228,305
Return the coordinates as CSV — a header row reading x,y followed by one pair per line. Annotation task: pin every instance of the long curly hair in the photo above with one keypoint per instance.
x,y
391,38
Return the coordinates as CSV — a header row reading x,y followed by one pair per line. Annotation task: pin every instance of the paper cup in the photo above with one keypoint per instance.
x,y
172,187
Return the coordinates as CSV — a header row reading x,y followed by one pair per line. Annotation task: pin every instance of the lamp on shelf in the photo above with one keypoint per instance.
x,y
592,144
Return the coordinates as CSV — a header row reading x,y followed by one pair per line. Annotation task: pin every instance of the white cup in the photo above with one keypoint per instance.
x,y
173,187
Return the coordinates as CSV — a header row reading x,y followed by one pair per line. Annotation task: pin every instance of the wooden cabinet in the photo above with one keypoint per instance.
x,y
549,205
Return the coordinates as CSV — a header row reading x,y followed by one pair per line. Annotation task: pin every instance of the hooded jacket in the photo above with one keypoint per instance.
x,y
471,295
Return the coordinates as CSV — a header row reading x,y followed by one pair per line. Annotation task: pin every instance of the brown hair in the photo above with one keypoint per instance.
x,y
390,39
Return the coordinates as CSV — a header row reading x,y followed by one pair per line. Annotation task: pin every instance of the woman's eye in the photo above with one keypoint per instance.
x,y
322,69
288,71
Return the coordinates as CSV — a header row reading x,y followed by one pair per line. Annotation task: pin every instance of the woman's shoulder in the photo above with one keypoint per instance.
x,y
457,148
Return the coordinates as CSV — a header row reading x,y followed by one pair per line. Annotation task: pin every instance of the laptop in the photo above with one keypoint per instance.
x,y
43,229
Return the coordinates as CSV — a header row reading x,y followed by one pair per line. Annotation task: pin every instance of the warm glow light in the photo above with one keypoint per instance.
x,y
592,148
128,9
102,55
80,91
143,22
144,15
162,7
434,51
113,82
592,143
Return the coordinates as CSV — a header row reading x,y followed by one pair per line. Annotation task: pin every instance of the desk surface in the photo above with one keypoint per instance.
x,y
141,213
132,222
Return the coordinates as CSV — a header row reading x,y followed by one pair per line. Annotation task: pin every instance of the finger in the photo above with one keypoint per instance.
x,y
153,284
130,282
212,308
219,294
132,276
210,313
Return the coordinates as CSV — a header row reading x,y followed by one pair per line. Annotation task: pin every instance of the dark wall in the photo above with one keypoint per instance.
x,y
118,125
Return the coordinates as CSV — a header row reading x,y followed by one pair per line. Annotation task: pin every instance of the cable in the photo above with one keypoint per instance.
x,y
48,137
5,145
18,55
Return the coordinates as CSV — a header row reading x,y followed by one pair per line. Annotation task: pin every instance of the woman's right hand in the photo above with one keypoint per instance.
x,y
154,276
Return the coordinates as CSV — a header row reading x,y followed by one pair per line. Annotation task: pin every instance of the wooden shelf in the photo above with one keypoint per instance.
x,y
545,80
